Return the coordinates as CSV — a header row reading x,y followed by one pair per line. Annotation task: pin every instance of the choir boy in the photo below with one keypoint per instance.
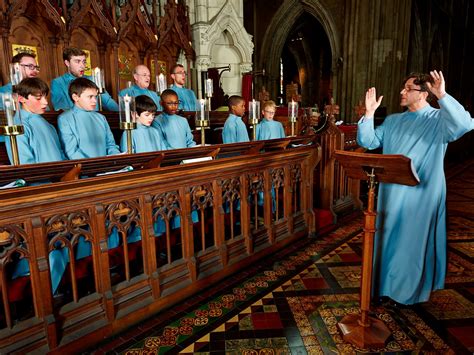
x,y
175,129
146,138
85,133
234,128
268,128
40,142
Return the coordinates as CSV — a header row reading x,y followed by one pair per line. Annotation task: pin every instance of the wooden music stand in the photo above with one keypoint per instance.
x,y
362,330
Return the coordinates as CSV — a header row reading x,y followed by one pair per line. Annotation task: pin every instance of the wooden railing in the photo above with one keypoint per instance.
x,y
177,229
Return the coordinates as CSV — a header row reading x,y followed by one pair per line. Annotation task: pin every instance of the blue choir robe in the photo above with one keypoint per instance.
x,y
234,130
60,94
144,139
135,91
175,129
269,129
410,243
85,134
187,98
4,89
39,143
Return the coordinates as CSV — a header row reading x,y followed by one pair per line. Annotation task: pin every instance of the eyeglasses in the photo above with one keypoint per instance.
x,y
180,72
173,103
31,66
408,89
270,112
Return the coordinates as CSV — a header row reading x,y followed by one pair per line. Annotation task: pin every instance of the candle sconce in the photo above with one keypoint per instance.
x,y
98,78
9,126
160,83
127,116
293,115
254,114
202,118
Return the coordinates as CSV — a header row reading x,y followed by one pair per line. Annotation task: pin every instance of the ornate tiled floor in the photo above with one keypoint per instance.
x,y
292,306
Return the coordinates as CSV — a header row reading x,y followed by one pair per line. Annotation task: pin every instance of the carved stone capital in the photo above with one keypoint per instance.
x,y
202,63
245,67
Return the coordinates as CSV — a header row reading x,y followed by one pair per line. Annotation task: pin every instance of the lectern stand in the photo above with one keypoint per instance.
x,y
362,330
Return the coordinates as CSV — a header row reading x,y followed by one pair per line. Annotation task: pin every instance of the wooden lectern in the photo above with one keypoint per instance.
x,y
362,330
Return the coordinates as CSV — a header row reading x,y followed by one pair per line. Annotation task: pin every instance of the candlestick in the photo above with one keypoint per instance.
x,y
15,74
292,115
202,118
126,101
98,78
254,112
8,126
160,83
127,118
209,88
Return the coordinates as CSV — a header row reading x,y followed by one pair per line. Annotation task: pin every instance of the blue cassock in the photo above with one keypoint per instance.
x,y
187,98
175,129
135,91
234,130
39,143
269,129
4,89
144,139
60,94
410,243
85,134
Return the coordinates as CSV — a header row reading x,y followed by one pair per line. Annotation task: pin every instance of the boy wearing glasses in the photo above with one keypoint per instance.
x,y
186,97
410,244
142,78
146,138
268,128
175,129
75,61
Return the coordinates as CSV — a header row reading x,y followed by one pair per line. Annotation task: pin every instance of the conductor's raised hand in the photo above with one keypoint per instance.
x,y
438,87
371,102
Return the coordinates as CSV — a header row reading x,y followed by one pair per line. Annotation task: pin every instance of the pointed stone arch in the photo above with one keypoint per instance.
x,y
279,29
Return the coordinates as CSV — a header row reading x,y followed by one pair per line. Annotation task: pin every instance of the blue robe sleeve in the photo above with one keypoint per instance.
x,y
108,104
59,98
368,136
123,143
25,151
455,120
189,136
229,133
111,146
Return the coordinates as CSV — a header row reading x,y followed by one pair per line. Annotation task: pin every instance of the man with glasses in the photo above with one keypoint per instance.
x,y
75,61
410,243
28,67
187,97
142,78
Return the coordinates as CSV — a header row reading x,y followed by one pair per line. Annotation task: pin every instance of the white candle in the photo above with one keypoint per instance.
x,y
16,74
203,114
9,112
126,100
161,83
98,78
209,88
254,109
293,109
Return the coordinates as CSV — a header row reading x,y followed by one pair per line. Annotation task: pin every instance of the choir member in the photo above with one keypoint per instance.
x,y
234,128
410,243
269,128
175,129
75,61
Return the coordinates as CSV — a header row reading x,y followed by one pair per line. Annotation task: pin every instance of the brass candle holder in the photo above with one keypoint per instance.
x,y
202,118
8,126
127,116
254,114
292,115
128,127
